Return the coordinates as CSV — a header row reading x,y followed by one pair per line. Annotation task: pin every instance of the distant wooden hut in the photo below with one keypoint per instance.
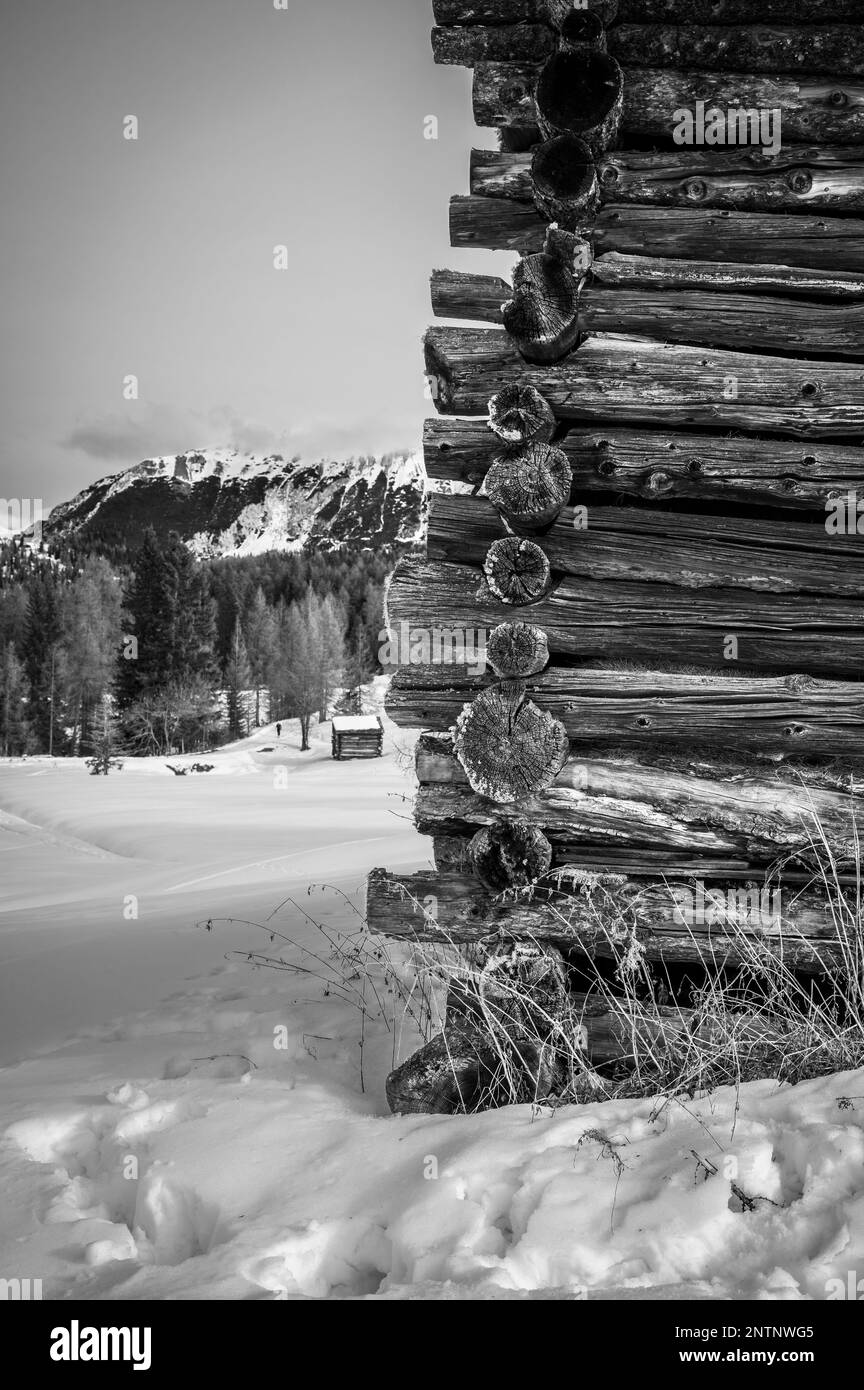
x,y
357,736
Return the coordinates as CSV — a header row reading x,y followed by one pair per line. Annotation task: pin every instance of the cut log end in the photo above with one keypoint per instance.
x,y
444,1077
564,180
508,747
517,650
511,854
581,93
542,318
520,415
530,486
517,571
582,29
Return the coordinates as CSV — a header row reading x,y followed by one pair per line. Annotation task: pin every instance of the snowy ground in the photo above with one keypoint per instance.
x,y
178,1125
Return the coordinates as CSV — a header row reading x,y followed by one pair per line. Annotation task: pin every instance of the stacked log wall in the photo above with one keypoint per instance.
x,y
649,450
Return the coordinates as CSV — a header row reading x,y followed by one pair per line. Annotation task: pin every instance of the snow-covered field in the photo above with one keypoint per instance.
x,y
179,1125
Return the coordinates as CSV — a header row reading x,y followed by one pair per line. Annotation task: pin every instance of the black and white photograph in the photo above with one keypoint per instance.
x,y
432,673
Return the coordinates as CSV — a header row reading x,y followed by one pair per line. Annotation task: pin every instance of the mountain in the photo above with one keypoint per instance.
x,y
222,502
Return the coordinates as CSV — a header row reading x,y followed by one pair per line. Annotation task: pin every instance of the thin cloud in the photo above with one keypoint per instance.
x,y
122,439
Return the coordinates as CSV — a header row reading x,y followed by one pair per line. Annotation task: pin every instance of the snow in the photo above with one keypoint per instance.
x,y
177,1124
343,723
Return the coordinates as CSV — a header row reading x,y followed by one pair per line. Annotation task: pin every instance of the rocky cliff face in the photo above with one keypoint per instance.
x,y
225,503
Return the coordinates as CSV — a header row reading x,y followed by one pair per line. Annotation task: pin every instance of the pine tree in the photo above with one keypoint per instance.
x,y
326,617
150,609
92,620
42,633
300,677
261,638
192,639
238,678
14,730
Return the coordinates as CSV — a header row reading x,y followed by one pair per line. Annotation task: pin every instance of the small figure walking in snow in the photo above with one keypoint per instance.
x,y
278,730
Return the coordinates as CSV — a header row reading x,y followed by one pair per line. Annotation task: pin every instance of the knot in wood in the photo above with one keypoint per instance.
x,y
658,481
800,180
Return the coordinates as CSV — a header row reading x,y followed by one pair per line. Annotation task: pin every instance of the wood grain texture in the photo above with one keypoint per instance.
x,y
647,463
630,544
799,178
791,716
628,805
814,108
835,49
652,624
668,920
640,381
649,11
684,302
822,243
483,43
551,12
715,11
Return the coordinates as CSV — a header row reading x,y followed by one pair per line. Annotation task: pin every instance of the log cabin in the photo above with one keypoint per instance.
x,y
648,452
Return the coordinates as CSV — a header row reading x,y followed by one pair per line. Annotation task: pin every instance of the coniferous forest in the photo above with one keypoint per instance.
x,y
157,652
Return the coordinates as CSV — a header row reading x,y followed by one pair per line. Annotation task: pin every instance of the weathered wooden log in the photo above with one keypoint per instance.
x,y
724,811
508,747
827,243
638,380
737,321
489,222
542,315
481,43
520,992
453,290
554,310
579,92
564,181
749,47
721,924
471,296
720,11
778,716
798,178
520,415
551,12
448,1075
813,108
837,50
516,650
635,544
450,855
511,854
517,571
652,272
506,1026
529,487
644,463
652,624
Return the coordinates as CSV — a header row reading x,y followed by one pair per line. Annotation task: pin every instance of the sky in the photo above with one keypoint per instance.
x,y
153,257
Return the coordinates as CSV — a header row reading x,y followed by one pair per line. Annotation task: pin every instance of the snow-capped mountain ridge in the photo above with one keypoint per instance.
x,y
223,502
